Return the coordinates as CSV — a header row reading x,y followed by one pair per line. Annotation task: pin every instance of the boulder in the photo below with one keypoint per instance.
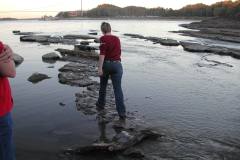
x,y
37,77
17,59
169,42
75,79
51,56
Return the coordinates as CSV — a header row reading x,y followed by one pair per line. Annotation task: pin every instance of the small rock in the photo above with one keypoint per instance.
x,y
93,33
97,40
51,56
16,31
17,59
62,104
50,67
37,77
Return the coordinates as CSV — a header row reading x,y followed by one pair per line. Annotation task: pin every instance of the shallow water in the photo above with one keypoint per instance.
x,y
196,107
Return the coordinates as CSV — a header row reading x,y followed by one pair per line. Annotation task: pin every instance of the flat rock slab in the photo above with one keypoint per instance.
x,y
37,77
119,143
162,41
195,47
85,54
75,79
24,33
46,39
73,36
17,59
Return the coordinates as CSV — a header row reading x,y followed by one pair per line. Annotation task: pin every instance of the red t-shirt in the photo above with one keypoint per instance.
x,y
6,102
110,47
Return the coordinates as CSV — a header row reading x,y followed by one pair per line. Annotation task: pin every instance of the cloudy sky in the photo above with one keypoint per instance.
x,y
49,6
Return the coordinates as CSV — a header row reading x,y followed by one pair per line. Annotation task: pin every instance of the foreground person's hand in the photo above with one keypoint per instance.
x,y
6,55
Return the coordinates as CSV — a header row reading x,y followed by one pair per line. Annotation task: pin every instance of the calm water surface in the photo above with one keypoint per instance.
x,y
196,107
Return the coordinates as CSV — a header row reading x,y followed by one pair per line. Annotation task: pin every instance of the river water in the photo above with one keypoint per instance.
x,y
196,105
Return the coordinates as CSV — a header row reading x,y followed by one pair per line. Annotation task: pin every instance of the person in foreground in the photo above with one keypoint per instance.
x,y
110,66
7,69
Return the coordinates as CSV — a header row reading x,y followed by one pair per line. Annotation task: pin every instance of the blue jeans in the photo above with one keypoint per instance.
x,y
6,138
115,71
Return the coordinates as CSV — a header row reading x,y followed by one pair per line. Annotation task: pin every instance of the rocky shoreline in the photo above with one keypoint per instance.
x,y
213,28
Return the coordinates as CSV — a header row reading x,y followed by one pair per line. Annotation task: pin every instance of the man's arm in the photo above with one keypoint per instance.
x,y
7,65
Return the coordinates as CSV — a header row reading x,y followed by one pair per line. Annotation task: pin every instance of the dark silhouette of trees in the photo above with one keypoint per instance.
x,y
226,9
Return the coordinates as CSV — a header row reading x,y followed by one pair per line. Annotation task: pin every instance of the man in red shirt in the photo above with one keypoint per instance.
x,y
7,69
110,66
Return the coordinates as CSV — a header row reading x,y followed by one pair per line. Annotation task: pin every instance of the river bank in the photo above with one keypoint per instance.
x,y
214,28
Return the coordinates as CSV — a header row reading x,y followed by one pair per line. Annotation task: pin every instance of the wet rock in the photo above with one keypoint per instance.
x,y
214,28
120,142
133,153
75,79
209,35
85,43
16,31
50,56
17,59
25,33
72,36
45,43
195,47
155,40
62,104
84,54
97,40
37,77
84,48
93,33
75,67
169,42
55,39
34,38
50,67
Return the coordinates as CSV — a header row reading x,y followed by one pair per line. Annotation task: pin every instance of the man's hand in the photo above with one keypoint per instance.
x,y
100,72
6,55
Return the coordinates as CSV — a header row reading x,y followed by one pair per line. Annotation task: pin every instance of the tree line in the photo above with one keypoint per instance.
x,y
228,9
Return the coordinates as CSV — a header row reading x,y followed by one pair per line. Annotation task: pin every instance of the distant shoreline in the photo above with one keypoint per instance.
x,y
109,18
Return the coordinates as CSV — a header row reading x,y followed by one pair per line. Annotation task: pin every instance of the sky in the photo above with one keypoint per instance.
x,y
51,7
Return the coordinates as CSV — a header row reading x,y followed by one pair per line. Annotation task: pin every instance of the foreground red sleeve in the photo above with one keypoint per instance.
x,y
103,46
1,47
